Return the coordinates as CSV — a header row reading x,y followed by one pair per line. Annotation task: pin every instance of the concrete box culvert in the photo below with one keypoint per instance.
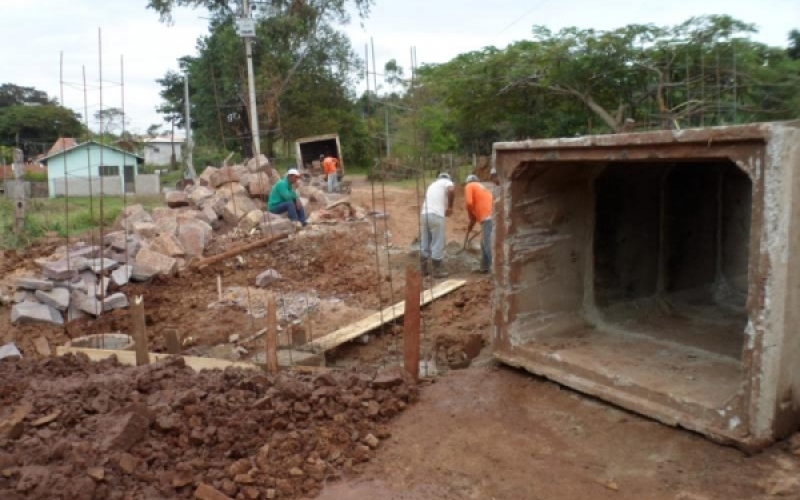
x,y
659,271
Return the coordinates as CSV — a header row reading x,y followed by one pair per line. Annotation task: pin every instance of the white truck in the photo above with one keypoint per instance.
x,y
308,151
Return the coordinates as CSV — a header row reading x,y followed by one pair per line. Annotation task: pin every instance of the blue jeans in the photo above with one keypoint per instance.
x,y
486,245
333,182
295,214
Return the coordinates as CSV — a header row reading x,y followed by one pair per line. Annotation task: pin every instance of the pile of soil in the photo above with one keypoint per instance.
x,y
77,430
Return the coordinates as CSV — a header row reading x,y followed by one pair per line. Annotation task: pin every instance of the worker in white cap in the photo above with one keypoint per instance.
x,y
438,205
479,202
283,199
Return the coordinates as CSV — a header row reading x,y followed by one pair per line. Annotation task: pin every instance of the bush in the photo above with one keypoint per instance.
x,y
35,176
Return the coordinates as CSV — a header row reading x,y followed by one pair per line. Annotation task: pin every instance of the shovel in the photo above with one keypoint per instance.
x,y
467,239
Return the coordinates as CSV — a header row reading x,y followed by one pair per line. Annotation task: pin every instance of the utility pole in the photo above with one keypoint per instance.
x,y
247,30
189,141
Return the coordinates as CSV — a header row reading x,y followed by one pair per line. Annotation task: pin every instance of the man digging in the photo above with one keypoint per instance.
x,y
283,199
479,202
438,204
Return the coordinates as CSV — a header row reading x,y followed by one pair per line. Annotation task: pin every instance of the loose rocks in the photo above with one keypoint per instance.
x,y
164,431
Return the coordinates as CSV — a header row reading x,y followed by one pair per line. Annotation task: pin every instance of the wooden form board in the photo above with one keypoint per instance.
x,y
294,360
366,325
128,358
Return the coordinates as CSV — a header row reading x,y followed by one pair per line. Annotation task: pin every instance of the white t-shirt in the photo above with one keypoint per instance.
x,y
436,197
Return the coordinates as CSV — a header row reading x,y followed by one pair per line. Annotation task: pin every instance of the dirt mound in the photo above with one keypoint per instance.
x,y
72,429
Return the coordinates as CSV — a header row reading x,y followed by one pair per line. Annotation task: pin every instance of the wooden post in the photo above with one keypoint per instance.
x,y
138,331
411,322
272,336
19,191
173,341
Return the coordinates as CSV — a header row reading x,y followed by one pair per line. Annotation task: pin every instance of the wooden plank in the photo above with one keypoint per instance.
x,y
272,336
411,322
128,358
239,250
373,321
138,331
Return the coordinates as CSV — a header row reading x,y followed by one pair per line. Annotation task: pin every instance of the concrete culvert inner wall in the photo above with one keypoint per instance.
x,y
636,271
671,246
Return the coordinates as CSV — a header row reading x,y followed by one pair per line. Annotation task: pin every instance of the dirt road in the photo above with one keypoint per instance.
x,y
496,433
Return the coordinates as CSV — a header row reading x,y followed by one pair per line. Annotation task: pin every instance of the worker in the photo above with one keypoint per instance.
x,y
479,202
283,199
437,206
493,177
330,166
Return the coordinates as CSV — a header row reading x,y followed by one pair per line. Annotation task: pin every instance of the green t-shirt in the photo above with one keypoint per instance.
x,y
281,192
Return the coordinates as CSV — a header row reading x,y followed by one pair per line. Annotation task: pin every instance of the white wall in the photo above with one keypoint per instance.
x,y
160,153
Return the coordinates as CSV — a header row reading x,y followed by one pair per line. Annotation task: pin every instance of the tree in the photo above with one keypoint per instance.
x,y
303,68
15,95
704,71
35,128
794,44
111,121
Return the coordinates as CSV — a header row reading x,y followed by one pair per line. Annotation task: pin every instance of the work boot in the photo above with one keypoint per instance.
x,y
423,267
438,269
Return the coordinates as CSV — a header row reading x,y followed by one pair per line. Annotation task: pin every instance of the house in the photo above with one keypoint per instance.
x,y
91,168
158,150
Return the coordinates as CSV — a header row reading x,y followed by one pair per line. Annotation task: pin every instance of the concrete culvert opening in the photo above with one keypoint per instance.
x,y
671,246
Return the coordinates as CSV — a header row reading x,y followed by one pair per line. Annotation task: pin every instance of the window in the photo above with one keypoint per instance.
x,y
109,170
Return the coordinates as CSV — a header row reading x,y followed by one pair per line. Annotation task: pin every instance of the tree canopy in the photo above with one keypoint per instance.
x,y
303,69
31,120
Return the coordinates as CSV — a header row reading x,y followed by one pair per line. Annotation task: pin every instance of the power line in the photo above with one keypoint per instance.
x,y
523,16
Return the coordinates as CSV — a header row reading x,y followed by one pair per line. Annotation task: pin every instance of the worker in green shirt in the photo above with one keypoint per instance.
x,y
283,198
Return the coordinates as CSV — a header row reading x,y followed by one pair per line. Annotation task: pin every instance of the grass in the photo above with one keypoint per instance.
x,y
64,217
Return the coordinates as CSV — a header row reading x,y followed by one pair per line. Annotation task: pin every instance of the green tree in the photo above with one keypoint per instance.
x,y
15,95
34,127
794,44
303,70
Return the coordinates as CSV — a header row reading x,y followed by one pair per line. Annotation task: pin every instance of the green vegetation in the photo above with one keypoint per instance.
x,y
64,217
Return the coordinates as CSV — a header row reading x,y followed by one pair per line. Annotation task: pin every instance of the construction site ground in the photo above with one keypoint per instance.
x,y
476,430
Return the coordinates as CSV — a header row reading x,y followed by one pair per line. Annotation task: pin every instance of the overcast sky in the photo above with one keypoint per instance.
x,y
36,31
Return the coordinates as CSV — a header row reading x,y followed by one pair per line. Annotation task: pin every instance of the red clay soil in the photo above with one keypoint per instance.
x,y
95,431
496,433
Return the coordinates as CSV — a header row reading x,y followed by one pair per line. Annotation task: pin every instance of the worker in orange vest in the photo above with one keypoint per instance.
x,y
479,202
330,166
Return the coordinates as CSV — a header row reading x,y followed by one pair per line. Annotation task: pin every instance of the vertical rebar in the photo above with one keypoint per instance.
x,y
125,161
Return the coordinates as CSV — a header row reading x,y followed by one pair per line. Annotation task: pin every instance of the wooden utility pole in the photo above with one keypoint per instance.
x,y
189,140
19,191
139,332
411,322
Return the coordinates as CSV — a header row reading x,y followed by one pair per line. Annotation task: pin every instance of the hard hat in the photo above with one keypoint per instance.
x,y
293,171
471,178
445,175
493,172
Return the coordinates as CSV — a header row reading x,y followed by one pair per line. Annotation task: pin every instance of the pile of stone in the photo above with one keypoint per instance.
x,y
237,195
74,282
71,287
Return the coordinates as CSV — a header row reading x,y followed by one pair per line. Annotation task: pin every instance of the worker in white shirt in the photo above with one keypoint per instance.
x,y
437,206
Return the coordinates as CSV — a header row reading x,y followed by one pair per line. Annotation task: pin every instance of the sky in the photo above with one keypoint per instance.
x,y
439,30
